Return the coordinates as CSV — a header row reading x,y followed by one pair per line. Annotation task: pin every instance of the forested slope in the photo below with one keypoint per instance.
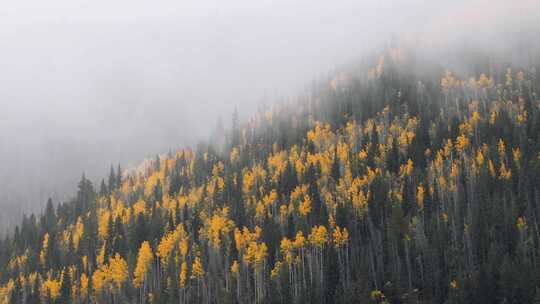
x,y
392,182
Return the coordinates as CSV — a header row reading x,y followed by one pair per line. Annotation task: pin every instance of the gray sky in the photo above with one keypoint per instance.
x,y
87,83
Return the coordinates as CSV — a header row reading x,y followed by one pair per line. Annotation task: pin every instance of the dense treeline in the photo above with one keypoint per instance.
x,y
397,183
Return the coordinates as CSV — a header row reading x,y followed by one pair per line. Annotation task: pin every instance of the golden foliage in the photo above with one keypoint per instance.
x,y
183,274
103,220
479,157
462,143
83,285
420,193
243,237
341,237
318,236
110,276
168,243
321,136
5,291
218,227
256,254
44,248
50,288
275,271
305,206
235,268
144,263
197,270
118,270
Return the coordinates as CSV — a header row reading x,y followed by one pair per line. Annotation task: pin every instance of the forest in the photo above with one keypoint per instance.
x,y
392,180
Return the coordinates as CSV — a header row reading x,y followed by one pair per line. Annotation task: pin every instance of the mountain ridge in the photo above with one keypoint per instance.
x,y
392,182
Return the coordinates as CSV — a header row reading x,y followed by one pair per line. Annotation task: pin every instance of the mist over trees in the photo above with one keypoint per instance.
x,y
394,180
138,78
406,171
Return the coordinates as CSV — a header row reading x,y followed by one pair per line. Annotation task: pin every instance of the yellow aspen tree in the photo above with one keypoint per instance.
x,y
103,227
341,241
183,281
142,267
274,274
218,227
183,274
184,246
256,256
99,281
78,233
420,194
197,273
100,259
235,271
197,270
44,249
50,288
168,244
318,239
5,291
83,282
479,157
118,270
305,206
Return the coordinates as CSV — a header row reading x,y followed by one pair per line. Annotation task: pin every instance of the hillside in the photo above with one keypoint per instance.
x,y
393,181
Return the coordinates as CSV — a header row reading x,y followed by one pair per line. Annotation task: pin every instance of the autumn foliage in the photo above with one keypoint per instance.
x,y
382,185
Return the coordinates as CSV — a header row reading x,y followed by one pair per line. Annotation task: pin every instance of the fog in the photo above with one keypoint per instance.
x,y
86,84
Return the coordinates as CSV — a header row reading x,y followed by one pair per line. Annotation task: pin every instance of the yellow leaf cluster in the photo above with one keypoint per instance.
x,y
305,206
321,135
197,270
183,274
83,281
5,291
103,222
50,287
257,174
110,276
275,271
276,164
341,237
406,169
168,243
462,142
244,236
144,262
218,226
318,236
44,249
235,268
18,262
420,193
256,254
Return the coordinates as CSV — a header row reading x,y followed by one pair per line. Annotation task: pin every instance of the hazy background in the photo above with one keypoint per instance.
x,y
85,84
